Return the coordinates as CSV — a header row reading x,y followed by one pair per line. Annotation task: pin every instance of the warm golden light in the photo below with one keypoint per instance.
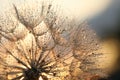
x,y
82,8
40,78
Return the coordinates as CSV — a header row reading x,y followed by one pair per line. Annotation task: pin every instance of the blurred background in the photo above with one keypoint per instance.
x,y
107,26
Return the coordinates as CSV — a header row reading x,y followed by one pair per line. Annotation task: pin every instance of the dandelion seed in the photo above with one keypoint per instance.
x,y
39,40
